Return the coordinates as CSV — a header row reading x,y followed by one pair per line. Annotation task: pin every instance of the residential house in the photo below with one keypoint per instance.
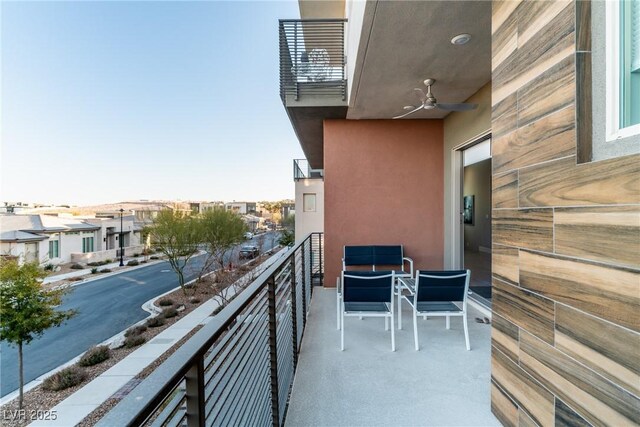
x,y
372,89
241,208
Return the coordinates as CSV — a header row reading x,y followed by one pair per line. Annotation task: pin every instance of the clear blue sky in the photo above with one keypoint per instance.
x,y
111,101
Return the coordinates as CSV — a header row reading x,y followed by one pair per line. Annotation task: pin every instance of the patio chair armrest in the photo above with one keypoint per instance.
x,y
410,261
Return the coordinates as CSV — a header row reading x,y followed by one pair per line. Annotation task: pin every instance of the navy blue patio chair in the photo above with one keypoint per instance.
x,y
368,294
440,293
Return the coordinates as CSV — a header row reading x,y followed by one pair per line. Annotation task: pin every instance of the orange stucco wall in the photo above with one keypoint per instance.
x,y
383,185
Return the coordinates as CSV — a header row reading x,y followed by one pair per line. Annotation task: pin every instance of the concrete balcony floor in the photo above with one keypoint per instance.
x,y
367,384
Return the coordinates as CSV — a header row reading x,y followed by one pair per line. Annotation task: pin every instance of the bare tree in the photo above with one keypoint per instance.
x,y
220,232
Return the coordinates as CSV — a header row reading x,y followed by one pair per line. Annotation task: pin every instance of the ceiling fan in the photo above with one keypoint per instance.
x,y
429,102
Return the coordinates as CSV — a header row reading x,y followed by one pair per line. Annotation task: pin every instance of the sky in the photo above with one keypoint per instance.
x,y
111,101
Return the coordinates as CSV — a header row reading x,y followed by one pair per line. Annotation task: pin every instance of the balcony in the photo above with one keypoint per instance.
x,y
272,356
313,83
302,170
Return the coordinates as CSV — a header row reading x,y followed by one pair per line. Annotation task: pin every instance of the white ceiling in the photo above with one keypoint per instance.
x,y
404,42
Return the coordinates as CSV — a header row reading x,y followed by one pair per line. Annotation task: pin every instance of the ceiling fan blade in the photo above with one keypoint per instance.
x,y
410,112
456,107
420,94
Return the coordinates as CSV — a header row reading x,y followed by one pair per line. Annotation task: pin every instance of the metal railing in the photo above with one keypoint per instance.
x,y
239,368
302,170
312,59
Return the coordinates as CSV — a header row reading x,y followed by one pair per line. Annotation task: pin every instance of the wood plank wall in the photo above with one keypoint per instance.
x,y
566,234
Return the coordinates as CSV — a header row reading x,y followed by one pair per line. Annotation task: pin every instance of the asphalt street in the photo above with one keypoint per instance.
x,y
105,307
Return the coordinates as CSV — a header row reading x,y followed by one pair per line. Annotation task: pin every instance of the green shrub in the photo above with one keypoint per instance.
x,y
68,377
95,355
164,302
137,254
93,264
108,260
133,262
105,270
155,322
194,300
76,266
134,341
169,312
154,257
144,261
94,270
49,267
136,330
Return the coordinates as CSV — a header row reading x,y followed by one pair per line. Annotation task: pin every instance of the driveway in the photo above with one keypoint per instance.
x,y
105,307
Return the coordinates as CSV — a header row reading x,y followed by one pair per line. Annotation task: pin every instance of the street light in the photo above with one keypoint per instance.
x,y
121,241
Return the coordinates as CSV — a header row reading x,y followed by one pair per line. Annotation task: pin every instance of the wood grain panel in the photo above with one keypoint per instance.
x,y
504,116
527,393
501,11
567,417
526,228
504,193
551,44
534,16
524,420
551,91
505,410
583,25
612,293
524,309
504,336
504,263
606,348
590,395
549,138
584,102
609,233
562,183
504,41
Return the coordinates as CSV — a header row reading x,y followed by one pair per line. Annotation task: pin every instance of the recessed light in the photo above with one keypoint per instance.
x,y
461,39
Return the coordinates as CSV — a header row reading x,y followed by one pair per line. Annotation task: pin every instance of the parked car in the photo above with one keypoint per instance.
x,y
248,235
249,252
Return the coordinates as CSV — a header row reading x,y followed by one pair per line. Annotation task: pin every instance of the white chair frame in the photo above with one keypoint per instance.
x,y
387,315
447,314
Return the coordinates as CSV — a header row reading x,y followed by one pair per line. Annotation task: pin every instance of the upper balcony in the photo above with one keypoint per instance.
x,y
313,82
302,170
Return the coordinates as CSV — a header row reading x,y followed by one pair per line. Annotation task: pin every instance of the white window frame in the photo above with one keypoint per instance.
x,y
613,129
305,207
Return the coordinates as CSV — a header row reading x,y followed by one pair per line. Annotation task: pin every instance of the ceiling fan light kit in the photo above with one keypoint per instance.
x,y
429,101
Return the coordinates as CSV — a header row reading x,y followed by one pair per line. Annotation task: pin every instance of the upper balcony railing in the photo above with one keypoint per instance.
x,y
312,59
302,170
239,368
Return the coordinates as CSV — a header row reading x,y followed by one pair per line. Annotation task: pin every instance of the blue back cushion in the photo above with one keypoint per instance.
x,y
363,289
441,289
358,255
388,255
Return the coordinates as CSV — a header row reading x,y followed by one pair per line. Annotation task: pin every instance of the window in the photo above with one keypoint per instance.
x,y
87,244
622,69
54,249
309,202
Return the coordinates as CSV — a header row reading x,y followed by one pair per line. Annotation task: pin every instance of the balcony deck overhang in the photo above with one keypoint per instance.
x,y
368,384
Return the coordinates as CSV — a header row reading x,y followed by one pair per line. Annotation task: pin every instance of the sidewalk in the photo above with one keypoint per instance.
x,y
76,407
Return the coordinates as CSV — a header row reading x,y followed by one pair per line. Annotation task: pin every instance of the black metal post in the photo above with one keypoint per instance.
x,y
273,351
304,285
320,269
121,240
195,395
294,311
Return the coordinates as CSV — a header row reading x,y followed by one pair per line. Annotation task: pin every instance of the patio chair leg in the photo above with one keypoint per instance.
x,y
466,331
393,336
342,333
424,317
338,301
448,322
415,330
399,308
386,323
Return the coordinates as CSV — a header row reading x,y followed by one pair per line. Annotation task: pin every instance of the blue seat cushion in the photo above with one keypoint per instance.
x,y
358,255
387,255
366,306
437,306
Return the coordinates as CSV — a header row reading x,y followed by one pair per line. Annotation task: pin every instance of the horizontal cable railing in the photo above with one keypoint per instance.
x,y
239,368
312,58
302,170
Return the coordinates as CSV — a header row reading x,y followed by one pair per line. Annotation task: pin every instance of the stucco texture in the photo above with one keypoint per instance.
x,y
383,186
